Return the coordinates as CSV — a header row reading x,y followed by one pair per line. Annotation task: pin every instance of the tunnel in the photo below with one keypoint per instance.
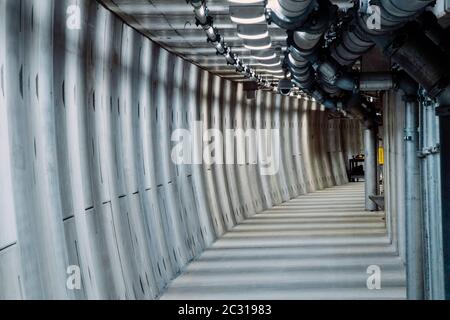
x,y
223,150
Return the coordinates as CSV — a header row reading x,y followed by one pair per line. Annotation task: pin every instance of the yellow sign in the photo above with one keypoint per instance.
x,y
381,156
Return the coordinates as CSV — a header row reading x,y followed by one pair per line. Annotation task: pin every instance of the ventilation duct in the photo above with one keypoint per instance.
x,y
301,70
351,47
422,55
304,38
422,59
433,30
393,15
290,14
359,38
376,81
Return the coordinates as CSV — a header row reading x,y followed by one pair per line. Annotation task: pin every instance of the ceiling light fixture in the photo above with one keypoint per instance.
x,y
264,47
273,56
253,36
245,1
207,23
270,64
272,71
277,77
255,20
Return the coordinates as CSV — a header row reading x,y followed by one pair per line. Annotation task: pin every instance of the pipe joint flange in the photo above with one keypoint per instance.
x,y
308,54
425,152
291,23
218,39
231,60
209,21
196,3
319,21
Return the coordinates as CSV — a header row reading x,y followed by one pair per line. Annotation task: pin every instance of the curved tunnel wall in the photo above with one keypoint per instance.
x,y
86,176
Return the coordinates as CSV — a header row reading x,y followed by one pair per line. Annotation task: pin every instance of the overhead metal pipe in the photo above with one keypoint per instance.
x,y
321,96
301,69
376,81
307,41
393,15
291,8
353,44
306,21
359,37
421,59
290,14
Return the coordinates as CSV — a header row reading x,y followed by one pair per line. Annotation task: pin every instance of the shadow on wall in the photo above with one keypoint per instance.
x,y
86,177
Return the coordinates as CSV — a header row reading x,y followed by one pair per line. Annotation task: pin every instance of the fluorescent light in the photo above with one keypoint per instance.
x,y
245,1
276,78
270,64
273,56
256,20
264,47
253,37
272,71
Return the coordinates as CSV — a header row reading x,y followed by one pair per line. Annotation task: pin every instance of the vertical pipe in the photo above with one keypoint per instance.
x,y
435,263
414,220
434,282
370,166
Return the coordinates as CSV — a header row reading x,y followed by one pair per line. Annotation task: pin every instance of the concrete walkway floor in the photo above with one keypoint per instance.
x,y
318,246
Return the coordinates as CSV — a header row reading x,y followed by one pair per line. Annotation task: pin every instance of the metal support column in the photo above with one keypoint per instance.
x,y
414,218
370,165
434,283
